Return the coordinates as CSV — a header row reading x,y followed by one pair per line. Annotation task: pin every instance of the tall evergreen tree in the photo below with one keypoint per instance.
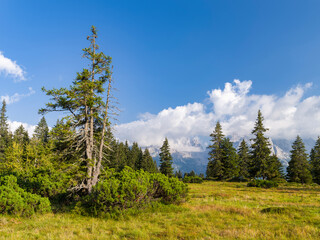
x,y
260,150
215,166
244,160
275,169
21,137
315,161
166,159
147,162
135,156
41,131
88,109
5,135
299,167
229,159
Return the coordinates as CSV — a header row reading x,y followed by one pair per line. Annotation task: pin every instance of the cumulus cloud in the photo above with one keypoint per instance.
x,y
17,96
13,125
236,109
11,68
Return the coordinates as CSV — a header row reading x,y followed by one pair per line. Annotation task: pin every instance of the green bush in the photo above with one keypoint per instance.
x,y
131,189
14,200
262,184
192,179
44,182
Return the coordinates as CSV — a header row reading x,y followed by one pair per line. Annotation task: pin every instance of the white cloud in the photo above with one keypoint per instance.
x,y
11,68
17,96
13,125
236,109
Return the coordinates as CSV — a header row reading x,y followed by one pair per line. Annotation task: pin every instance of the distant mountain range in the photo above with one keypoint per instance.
x,y
197,161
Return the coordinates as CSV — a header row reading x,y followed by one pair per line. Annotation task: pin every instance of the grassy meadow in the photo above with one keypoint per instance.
x,y
214,210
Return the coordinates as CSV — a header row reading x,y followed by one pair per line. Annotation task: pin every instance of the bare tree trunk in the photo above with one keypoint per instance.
x,y
100,157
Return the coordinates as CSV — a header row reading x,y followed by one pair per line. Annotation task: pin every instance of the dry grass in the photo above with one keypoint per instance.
x,y
215,210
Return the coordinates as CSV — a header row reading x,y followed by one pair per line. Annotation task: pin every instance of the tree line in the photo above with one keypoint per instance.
x,y
256,161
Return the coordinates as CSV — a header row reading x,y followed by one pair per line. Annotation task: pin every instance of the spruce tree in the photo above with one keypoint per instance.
x,y
21,137
41,131
215,166
244,160
87,102
147,162
5,135
229,159
135,156
275,169
260,150
315,162
166,159
299,167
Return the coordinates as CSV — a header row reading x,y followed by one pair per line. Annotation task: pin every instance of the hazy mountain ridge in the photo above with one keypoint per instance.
x,y
197,161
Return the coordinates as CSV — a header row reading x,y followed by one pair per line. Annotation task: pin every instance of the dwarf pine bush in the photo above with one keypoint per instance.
x,y
131,189
192,179
262,184
16,201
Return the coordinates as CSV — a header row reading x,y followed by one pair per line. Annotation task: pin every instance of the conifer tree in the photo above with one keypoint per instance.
x,y
299,167
135,156
260,150
215,167
229,159
244,160
275,169
5,135
21,137
88,110
178,174
315,162
41,131
166,159
147,162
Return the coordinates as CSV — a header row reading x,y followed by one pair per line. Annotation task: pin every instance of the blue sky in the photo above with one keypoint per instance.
x,y
165,53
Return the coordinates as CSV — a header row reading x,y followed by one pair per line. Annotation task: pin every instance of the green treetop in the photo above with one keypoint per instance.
x,y
215,167
244,159
315,162
299,168
260,150
41,131
165,159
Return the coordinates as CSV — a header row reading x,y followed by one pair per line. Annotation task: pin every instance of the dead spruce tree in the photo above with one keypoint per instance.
x,y
87,103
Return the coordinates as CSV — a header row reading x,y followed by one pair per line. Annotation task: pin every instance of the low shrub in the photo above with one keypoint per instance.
x,y
131,189
45,182
192,179
14,200
262,184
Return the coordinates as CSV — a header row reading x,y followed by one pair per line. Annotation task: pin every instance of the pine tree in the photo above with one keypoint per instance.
x,y
299,167
275,169
215,166
88,110
166,159
147,162
260,150
244,160
229,159
21,137
5,135
178,174
135,156
315,161
41,131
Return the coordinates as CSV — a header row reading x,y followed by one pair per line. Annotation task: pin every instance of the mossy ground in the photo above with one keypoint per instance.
x,y
214,210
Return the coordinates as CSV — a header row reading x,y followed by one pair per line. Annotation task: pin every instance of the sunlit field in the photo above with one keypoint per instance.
x,y
214,210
